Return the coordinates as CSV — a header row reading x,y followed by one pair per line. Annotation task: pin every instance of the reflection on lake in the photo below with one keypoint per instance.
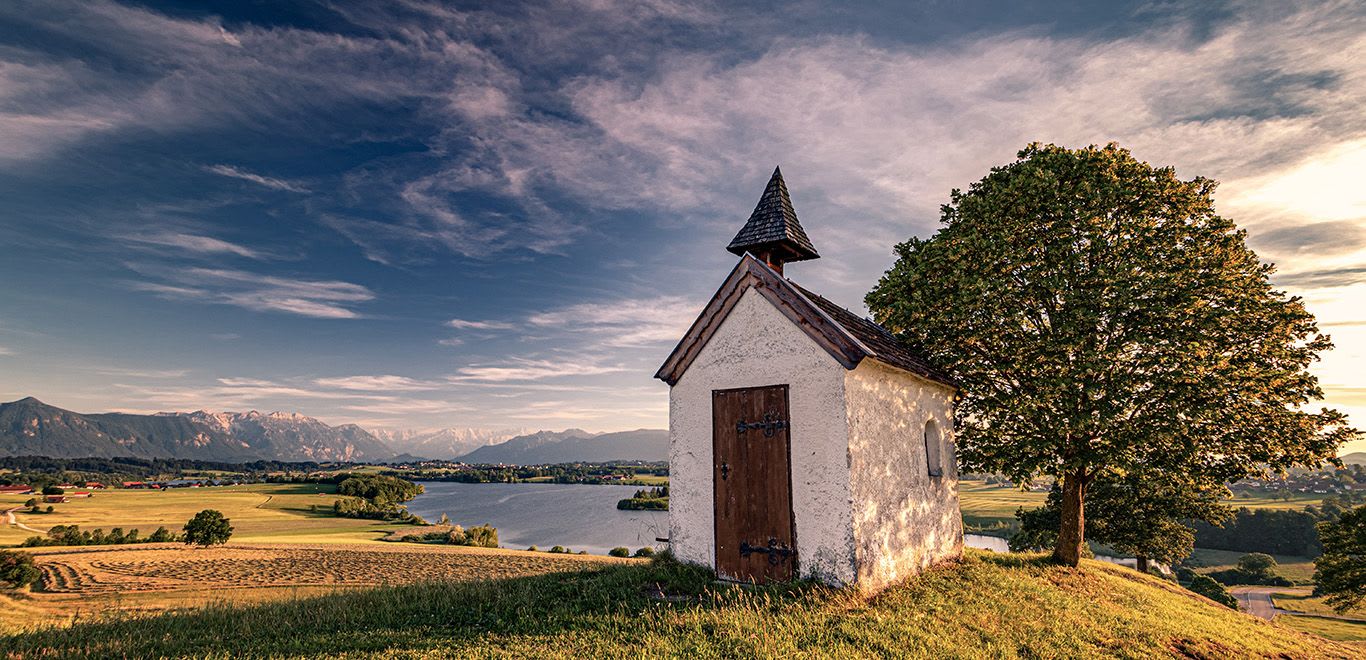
x,y
576,516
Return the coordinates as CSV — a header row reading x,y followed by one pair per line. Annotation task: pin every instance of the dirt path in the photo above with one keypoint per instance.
x,y
9,514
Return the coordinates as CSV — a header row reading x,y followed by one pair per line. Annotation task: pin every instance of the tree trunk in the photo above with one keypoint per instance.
x,y
1142,564
1072,534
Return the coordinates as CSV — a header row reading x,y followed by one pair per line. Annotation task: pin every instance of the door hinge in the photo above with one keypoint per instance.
x,y
769,426
777,552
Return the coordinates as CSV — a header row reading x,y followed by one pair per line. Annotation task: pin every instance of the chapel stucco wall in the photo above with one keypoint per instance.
x,y
756,345
904,520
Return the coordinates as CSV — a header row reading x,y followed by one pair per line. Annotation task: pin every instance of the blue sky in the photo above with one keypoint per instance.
x,y
424,215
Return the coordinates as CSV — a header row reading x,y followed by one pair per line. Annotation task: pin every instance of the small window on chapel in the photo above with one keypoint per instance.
x,y
934,444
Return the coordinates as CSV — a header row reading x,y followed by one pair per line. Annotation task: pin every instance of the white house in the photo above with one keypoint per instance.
x,y
804,440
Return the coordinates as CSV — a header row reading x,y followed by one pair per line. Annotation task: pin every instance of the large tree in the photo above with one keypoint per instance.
x,y
1099,315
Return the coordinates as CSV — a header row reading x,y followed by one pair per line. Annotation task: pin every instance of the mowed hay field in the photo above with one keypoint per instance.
x,y
277,513
83,583
280,549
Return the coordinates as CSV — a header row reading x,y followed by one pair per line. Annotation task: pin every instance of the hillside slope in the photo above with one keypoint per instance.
x,y
29,427
999,606
574,445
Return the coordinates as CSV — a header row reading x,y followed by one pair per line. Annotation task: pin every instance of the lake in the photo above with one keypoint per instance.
x,y
576,516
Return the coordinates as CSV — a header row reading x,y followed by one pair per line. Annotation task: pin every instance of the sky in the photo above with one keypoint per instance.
x,y
422,215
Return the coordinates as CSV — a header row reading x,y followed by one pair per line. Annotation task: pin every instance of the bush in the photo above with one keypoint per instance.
x,y
482,536
161,535
646,551
619,552
559,550
533,549
1207,587
53,490
17,569
208,527
1253,568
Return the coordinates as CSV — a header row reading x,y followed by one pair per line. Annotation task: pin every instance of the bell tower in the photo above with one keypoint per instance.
x,y
773,234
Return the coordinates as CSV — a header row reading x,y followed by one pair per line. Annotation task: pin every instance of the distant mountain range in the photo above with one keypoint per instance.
x,y
576,445
29,427
1354,458
442,443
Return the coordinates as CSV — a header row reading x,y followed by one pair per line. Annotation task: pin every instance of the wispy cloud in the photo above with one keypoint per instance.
x,y
628,322
330,299
258,179
195,243
522,369
462,324
375,383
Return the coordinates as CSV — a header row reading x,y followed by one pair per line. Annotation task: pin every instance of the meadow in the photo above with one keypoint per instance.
x,y
275,513
989,605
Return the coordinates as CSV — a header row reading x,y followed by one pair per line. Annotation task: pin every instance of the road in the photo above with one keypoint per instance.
x,y
1257,601
9,513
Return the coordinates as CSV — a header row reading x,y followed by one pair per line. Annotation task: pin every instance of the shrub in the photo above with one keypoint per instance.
x,y
17,569
53,490
646,551
161,535
32,502
1207,587
559,550
533,549
619,552
208,527
482,536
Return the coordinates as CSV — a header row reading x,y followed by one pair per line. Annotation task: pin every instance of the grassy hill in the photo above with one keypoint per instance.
x,y
988,606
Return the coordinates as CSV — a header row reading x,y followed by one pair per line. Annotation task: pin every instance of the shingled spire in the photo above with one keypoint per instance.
x,y
773,233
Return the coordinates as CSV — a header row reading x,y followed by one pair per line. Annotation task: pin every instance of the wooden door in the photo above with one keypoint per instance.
x,y
752,473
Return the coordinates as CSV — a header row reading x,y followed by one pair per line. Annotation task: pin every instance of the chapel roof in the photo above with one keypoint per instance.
x,y
846,336
773,226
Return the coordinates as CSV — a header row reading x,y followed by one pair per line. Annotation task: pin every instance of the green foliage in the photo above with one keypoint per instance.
x,y
1274,531
17,569
559,550
650,499
1253,568
1207,587
1257,562
1101,317
646,551
482,536
206,528
74,535
381,491
1340,573
619,552
53,490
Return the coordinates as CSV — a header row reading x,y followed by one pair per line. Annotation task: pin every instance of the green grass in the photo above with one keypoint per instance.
x,y
1328,628
1000,606
276,513
1306,603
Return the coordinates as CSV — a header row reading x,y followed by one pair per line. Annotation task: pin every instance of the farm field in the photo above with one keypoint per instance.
x,y
276,513
93,582
990,605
